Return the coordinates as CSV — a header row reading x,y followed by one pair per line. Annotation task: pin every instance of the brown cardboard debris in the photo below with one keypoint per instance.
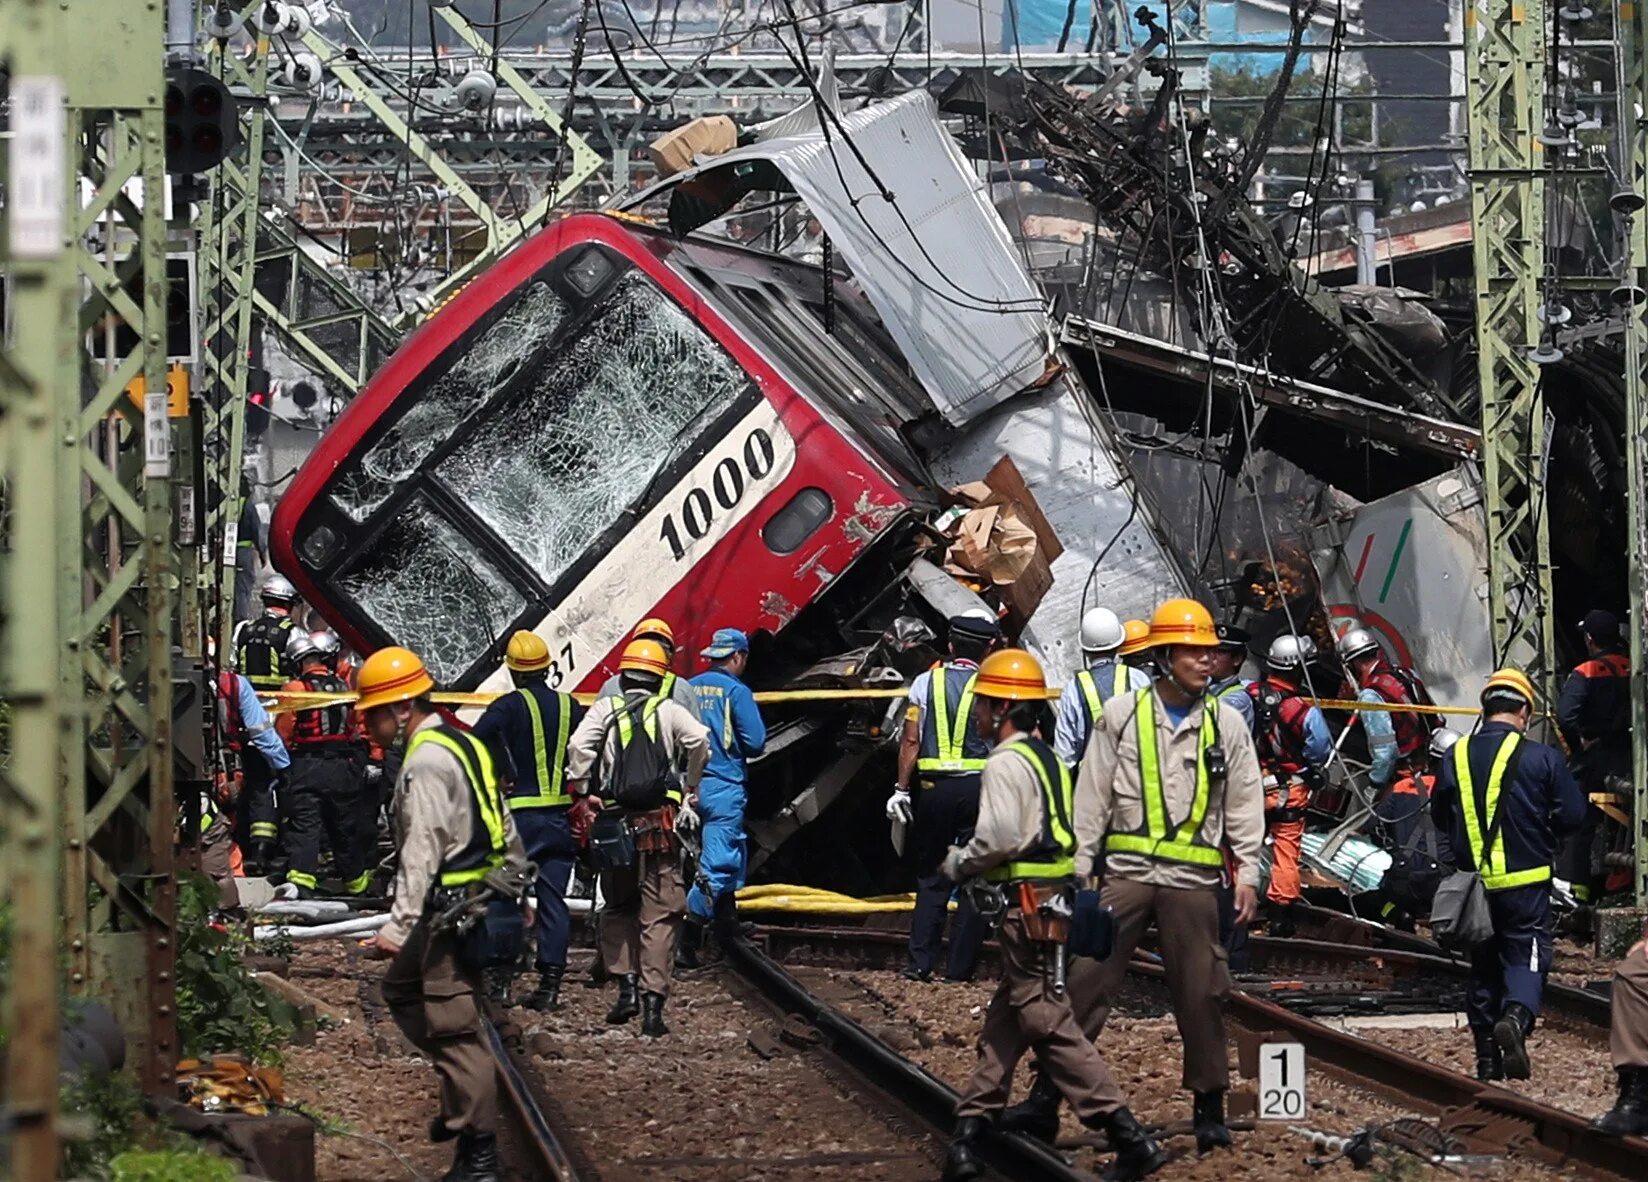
x,y
1005,540
675,150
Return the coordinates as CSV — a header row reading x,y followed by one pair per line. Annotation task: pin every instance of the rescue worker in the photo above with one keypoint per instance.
x,y
1397,739
1628,1043
1402,822
369,801
1594,715
1136,651
728,710
456,840
1294,745
943,751
260,644
645,899
672,685
1085,694
1501,804
261,759
1228,684
323,787
1170,781
532,729
1024,844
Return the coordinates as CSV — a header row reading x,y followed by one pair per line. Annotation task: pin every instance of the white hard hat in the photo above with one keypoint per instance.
x,y
1290,652
1442,741
1101,631
278,589
300,645
326,642
1357,642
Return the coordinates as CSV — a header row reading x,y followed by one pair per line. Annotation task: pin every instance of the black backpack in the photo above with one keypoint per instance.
x,y
640,776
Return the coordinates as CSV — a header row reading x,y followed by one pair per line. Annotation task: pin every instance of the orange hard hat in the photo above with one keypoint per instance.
x,y
652,628
1012,675
391,675
644,656
1183,621
527,652
1137,637
1512,681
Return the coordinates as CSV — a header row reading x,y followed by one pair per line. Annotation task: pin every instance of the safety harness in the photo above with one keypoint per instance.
x,y
946,732
1054,854
485,848
549,766
262,644
325,729
1490,863
1154,838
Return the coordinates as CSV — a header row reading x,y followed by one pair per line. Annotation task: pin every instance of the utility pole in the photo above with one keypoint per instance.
x,y
1505,84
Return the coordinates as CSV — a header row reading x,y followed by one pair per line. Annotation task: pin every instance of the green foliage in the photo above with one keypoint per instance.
x,y
104,1109
220,1007
171,1166
1297,124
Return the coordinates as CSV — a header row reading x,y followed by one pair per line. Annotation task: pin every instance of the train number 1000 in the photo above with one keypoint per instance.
x,y
728,481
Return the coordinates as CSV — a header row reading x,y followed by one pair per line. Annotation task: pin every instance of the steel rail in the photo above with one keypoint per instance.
x,y
536,1129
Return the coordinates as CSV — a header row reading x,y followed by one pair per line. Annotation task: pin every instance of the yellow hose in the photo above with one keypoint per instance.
x,y
783,898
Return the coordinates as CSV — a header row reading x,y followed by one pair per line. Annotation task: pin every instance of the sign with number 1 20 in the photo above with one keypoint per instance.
x,y
1281,1081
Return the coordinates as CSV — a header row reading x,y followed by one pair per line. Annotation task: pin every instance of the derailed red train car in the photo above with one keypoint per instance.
x,y
608,424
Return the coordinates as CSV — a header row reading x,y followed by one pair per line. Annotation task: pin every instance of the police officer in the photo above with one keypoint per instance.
x,y
670,685
737,734
1227,684
1294,746
646,898
1023,842
532,728
1594,716
323,787
944,752
260,644
455,838
1085,694
1628,1042
1501,803
1397,739
1168,783
261,758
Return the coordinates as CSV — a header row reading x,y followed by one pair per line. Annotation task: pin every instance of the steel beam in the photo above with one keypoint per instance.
x,y
1505,79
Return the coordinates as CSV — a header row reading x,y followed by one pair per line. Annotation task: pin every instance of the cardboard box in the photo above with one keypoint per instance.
x,y
1005,540
675,150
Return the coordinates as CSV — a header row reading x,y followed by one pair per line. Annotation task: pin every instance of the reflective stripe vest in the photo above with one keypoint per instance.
x,y
487,844
625,720
1490,864
548,763
262,651
1156,838
950,744
1092,700
1054,854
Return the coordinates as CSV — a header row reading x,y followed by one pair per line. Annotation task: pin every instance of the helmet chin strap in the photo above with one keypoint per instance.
x,y
1167,670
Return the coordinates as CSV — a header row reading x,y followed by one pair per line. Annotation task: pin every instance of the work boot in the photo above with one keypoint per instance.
x,y
725,920
961,1160
260,854
629,1000
597,975
686,949
1629,1115
548,994
477,1159
1137,1156
1511,1033
1207,1114
1489,1068
1037,1115
652,1015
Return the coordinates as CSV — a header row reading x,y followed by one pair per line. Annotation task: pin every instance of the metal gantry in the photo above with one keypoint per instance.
x,y
1504,56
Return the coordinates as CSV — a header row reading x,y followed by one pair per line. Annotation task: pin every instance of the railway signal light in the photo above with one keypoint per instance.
x,y
202,121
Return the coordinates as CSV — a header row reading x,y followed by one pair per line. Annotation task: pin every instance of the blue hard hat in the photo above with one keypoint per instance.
x,y
725,643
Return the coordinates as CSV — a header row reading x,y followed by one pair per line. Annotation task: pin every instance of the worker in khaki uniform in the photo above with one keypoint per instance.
x,y
646,898
456,841
1024,844
1628,1040
1169,782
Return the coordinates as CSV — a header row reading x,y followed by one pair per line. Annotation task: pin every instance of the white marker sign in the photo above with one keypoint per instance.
x,y
1281,1081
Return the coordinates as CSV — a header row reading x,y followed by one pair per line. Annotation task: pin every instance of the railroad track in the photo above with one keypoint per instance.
x,y
533,1120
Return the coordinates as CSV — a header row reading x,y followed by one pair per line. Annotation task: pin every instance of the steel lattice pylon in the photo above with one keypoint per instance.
x,y
1504,56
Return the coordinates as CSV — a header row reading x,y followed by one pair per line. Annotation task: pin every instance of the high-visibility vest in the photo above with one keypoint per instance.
x,y
949,744
485,848
1154,838
1054,854
1490,864
1092,700
261,651
625,718
548,763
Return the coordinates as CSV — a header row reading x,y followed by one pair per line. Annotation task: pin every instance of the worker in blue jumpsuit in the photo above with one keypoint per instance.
x,y
1501,804
1594,715
727,707
528,731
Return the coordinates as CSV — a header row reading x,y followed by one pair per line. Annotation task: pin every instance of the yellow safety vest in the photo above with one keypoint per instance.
x,y
486,846
1492,867
1152,839
1054,856
949,731
551,772
649,724
1090,690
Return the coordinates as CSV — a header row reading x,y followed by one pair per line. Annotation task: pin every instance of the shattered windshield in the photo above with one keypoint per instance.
x,y
580,437
433,590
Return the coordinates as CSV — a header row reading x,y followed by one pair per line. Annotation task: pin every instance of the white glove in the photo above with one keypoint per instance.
x,y
686,817
951,868
898,806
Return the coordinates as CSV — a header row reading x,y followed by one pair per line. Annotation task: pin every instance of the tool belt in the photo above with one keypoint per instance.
x,y
655,831
1282,816
1045,909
